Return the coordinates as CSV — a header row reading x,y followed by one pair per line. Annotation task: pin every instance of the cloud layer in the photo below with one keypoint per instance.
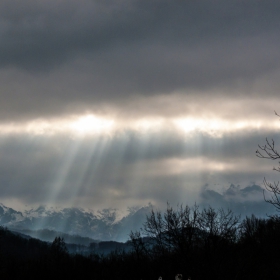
x,y
71,57
178,94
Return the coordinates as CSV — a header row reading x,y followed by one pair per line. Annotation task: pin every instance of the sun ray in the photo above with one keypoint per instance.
x,y
62,173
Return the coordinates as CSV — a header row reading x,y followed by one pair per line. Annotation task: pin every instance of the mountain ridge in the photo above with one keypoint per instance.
x,y
104,226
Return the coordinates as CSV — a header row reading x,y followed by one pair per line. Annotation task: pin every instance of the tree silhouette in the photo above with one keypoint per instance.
x,y
58,246
269,151
173,230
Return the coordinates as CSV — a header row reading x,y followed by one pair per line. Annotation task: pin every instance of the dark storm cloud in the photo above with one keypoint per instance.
x,y
49,29
69,56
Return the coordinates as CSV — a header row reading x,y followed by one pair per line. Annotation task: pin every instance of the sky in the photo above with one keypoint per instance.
x,y
129,102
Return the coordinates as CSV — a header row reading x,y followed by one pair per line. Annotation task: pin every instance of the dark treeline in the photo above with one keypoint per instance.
x,y
202,244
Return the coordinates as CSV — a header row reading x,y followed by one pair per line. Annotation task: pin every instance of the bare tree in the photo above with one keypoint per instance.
x,y
183,229
219,225
138,244
173,229
269,151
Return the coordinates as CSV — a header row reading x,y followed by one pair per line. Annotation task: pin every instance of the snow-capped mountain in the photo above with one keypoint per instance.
x,y
106,224
9,215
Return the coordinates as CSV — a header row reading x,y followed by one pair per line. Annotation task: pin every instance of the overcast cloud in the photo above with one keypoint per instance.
x,y
178,95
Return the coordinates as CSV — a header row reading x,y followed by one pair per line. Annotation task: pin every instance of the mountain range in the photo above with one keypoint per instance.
x,y
44,222
80,226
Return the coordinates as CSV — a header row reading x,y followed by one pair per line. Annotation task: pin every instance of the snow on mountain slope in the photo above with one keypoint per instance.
x,y
107,224
9,216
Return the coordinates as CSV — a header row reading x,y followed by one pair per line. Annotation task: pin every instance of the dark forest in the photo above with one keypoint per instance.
x,y
201,244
